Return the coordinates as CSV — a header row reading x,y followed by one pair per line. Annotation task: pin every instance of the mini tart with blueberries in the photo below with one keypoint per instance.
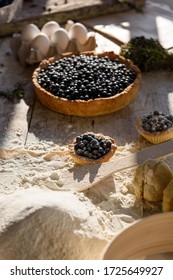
x,y
86,84
156,128
90,148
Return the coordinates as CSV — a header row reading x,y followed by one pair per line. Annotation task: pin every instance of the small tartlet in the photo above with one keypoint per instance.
x,y
81,160
96,107
154,137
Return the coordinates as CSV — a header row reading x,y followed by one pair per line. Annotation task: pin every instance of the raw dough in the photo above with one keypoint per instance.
x,y
168,197
151,178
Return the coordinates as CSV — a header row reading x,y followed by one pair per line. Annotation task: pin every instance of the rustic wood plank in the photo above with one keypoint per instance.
x,y
14,114
39,12
48,126
155,21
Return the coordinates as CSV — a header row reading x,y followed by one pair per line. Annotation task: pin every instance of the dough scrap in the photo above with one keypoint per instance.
x,y
150,180
168,197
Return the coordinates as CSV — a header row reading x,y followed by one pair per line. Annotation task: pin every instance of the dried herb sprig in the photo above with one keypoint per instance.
x,y
131,5
17,91
147,54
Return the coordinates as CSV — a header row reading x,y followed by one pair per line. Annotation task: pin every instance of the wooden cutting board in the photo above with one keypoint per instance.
x,y
84,177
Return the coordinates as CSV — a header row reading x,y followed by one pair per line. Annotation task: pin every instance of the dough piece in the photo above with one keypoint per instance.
x,y
151,178
138,182
168,198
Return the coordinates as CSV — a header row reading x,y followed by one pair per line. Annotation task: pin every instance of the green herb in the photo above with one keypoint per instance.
x,y
17,91
131,5
147,54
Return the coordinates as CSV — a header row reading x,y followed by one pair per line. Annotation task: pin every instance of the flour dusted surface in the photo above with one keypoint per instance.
x,y
40,221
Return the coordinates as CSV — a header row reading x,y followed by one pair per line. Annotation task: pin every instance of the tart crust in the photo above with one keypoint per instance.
x,y
155,137
98,106
84,160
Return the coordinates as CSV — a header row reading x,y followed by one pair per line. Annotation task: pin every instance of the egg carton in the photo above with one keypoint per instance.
x,y
33,45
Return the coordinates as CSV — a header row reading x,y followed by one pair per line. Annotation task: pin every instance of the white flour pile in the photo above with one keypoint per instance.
x,y
37,222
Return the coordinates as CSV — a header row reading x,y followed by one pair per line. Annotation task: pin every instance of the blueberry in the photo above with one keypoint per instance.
x,y
108,143
91,146
157,122
94,143
79,152
85,154
156,113
95,152
81,144
86,77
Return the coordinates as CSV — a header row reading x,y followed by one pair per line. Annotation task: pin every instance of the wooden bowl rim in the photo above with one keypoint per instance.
x,y
148,236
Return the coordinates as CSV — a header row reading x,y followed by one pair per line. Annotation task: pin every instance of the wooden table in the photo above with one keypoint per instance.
x,y
26,121
39,12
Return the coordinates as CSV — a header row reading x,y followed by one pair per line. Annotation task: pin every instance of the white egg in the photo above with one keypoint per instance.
x,y
42,43
50,27
79,32
61,38
29,32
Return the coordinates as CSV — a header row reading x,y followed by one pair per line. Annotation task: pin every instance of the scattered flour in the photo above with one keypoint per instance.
x,y
37,222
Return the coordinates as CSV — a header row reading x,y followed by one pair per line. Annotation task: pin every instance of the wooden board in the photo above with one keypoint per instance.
x,y
85,177
15,114
39,12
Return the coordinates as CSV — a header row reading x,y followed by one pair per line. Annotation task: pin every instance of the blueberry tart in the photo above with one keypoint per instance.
x,y
90,148
156,127
87,84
